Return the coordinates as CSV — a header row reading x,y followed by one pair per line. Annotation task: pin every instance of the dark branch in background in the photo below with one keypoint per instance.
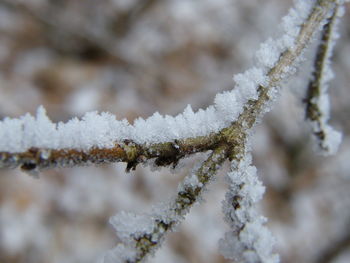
x,y
338,247
69,36
125,21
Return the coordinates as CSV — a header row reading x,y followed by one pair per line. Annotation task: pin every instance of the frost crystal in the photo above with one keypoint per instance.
x,y
249,240
130,226
130,229
119,254
271,49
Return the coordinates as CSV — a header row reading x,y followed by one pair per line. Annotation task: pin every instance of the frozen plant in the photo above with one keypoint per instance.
x,y
317,109
223,129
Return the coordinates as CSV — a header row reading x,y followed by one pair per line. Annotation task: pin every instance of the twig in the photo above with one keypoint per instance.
x,y
335,249
316,110
165,220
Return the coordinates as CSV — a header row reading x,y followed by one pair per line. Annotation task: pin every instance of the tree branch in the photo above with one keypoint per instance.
x,y
166,219
169,153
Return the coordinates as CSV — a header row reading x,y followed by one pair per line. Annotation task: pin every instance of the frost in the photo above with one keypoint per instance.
x,y
249,240
254,244
333,140
192,182
268,54
119,254
248,82
270,51
318,105
228,105
130,226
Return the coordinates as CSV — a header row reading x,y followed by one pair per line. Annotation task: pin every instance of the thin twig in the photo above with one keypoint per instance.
x,y
317,86
174,212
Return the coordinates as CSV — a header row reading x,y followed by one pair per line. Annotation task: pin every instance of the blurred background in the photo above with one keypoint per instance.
x,y
135,57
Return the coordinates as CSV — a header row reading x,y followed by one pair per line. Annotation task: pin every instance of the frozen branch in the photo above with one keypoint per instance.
x,y
142,235
317,100
249,240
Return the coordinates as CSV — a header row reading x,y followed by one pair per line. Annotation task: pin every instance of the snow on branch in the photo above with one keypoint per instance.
x,y
317,100
248,240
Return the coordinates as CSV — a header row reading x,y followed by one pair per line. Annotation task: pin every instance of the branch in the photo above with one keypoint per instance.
x,y
317,100
249,240
127,151
142,235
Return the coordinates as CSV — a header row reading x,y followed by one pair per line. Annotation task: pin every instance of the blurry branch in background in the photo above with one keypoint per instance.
x,y
317,100
66,37
124,22
255,91
335,250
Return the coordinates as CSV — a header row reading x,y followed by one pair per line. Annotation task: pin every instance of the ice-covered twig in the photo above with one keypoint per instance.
x,y
142,235
317,100
164,154
249,240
